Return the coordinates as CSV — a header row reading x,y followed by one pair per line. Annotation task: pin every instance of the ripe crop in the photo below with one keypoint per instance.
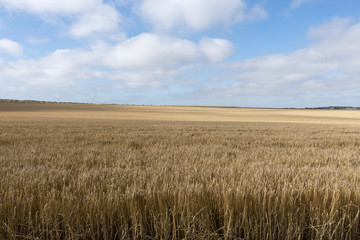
x,y
93,174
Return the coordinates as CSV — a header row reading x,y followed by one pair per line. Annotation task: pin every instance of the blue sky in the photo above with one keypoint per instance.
x,y
251,53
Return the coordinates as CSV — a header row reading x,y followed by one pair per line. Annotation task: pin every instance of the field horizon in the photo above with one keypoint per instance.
x,y
330,107
177,113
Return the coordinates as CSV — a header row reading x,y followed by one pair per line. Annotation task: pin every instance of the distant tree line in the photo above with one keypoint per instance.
x,y
334,107
30,101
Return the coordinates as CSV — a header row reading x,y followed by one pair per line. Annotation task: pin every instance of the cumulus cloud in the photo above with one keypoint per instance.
x,y
149,50
102,19
60,68
197,15
147,54
91,16
50,6
10,47
334,28
215,49
330,64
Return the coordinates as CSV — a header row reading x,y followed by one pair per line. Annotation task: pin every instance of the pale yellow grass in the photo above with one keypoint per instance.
x,y
180,113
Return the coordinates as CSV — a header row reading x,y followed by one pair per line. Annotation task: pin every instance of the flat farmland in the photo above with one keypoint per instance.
x,y
176,113
84,171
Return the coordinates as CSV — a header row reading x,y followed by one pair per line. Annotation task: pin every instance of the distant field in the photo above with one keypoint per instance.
x,y
81,171
177,113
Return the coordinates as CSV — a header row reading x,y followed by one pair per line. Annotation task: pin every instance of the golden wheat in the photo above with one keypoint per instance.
x,y
102,173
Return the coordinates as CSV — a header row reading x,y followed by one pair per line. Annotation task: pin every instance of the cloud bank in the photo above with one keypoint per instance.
x,y
324,66
88,16
197,15
145,52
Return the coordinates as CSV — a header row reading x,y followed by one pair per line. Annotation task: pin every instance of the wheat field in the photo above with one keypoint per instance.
x,y
81,171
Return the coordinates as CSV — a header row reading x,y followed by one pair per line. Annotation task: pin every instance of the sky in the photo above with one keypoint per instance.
x,y
245,53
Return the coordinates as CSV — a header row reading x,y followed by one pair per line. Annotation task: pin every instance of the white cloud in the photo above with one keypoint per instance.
x,y
138,61
216,50
91,16
10,47
102,19
151,51
333,29
197,15
154,51
51,6
330,64
61,68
